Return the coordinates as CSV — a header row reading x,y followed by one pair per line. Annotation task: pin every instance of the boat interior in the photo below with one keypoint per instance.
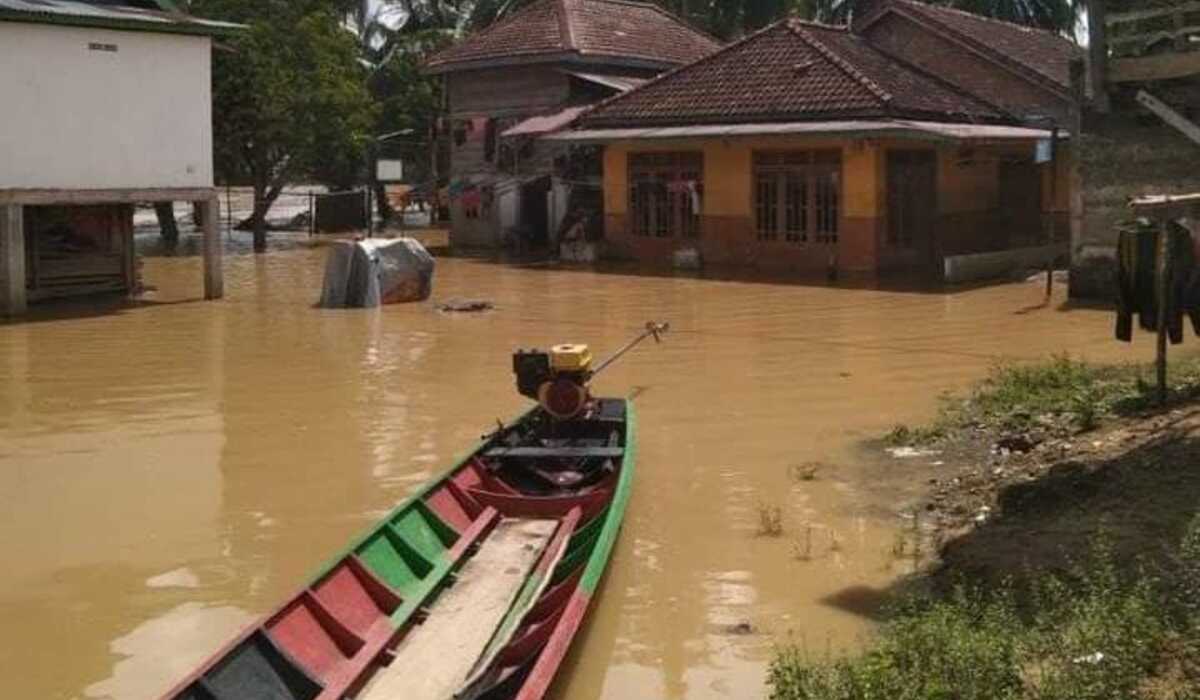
x,y
459,592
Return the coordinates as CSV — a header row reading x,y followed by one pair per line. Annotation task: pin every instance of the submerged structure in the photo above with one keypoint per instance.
x,y
530,74
917,138
106,104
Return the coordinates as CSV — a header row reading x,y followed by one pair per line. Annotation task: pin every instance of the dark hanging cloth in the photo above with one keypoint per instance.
x,y
1137,293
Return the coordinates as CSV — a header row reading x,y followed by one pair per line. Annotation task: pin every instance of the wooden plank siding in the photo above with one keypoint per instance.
x,y
1130,33
511,91
509,94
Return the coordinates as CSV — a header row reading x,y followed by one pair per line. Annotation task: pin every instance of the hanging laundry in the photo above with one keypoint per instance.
x,y
694,190
688,188
1137,290
471,198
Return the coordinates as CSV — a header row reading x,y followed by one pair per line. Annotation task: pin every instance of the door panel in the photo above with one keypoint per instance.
x,y
912,202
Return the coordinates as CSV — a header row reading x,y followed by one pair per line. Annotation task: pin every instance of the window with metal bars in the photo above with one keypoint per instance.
x,y
665,194
797,196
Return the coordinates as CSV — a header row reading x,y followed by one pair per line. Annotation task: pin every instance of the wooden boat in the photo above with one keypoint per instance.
x,y
474,588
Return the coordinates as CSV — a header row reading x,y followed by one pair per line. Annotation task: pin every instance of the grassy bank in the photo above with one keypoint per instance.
x,y
1058,396
1069,547
1093,633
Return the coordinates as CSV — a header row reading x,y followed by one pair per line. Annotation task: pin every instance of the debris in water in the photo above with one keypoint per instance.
x,y
366,274
466,306
740,629
911,452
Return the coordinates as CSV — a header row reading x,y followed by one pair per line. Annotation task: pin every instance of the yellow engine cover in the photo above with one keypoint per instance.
x,y
570,358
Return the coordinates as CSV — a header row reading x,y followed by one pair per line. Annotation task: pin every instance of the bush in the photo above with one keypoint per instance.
x,y
1090,635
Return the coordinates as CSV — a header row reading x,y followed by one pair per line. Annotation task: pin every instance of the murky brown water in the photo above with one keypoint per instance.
x,y
170,470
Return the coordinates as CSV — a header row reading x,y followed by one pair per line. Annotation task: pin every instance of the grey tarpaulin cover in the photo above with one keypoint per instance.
x,y
365,274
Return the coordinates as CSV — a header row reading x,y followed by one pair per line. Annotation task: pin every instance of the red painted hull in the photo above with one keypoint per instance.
x,y
329,639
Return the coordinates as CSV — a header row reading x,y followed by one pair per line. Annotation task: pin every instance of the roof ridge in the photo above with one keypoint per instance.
x,y
993,20
929,13
566,32
494,26
798,28
679,19
667,74
962,92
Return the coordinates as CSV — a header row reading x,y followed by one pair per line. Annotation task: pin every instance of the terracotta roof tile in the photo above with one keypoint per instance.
x,y
792,71
612,28
1041,52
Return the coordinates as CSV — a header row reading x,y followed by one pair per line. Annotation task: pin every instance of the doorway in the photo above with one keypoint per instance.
x,y
912,204
535,215
1020,215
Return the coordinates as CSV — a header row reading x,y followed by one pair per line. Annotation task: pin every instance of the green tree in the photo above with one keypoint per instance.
x,y
1056,15
290,99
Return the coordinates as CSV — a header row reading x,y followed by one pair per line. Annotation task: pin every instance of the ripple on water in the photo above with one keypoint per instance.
x,y
262,433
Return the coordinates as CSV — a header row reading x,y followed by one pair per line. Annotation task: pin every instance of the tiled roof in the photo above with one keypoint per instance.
x,y
1043,53
619,29
110,15
790,71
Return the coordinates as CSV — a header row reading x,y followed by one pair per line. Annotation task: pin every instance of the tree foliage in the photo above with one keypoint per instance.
x,y
290,98
729,19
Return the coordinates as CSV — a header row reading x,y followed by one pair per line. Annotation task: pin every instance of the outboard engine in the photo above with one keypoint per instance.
x,y
557,379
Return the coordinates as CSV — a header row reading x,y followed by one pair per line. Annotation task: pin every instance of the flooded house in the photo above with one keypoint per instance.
x,y
107,104
527,75
918,138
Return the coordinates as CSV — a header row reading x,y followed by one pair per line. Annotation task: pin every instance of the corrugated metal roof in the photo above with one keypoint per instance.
x,y
622,83
109,16
846,128
535,126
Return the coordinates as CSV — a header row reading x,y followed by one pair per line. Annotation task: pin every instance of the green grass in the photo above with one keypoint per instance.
x,y
1058,394
1101,631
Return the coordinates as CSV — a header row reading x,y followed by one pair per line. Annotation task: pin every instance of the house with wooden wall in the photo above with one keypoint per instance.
x,y
527,75
106,104
895,143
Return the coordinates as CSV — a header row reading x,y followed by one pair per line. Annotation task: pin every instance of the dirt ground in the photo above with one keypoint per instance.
x,y
1027,502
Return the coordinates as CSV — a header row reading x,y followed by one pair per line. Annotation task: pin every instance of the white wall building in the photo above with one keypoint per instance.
x,y
107,103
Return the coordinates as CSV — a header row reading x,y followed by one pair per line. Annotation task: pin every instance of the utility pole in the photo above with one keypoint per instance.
x,y
1098,54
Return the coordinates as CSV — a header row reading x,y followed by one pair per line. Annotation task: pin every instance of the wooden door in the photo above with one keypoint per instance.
x,y
912,203
1020,216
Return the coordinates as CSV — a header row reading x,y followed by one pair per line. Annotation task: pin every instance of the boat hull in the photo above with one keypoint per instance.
x,y
374,607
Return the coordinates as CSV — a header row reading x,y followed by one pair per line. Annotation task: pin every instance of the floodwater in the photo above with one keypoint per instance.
x,y
171,469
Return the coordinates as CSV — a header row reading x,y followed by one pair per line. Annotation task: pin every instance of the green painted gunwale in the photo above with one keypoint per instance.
x,y
593,542
602,550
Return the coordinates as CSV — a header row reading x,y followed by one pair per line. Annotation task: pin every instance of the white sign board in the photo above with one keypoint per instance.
x,y
389,170
1045,151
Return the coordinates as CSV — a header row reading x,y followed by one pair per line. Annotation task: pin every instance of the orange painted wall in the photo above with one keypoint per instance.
x,y
968,197
727,168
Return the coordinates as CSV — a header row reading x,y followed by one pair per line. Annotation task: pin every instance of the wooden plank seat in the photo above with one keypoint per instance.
x,y
556,452
322,643
434,660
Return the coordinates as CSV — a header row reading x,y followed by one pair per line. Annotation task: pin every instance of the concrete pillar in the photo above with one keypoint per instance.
x,y
214,274
12,260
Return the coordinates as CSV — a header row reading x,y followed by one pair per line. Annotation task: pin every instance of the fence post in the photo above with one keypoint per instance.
x,y
312,214
370,196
